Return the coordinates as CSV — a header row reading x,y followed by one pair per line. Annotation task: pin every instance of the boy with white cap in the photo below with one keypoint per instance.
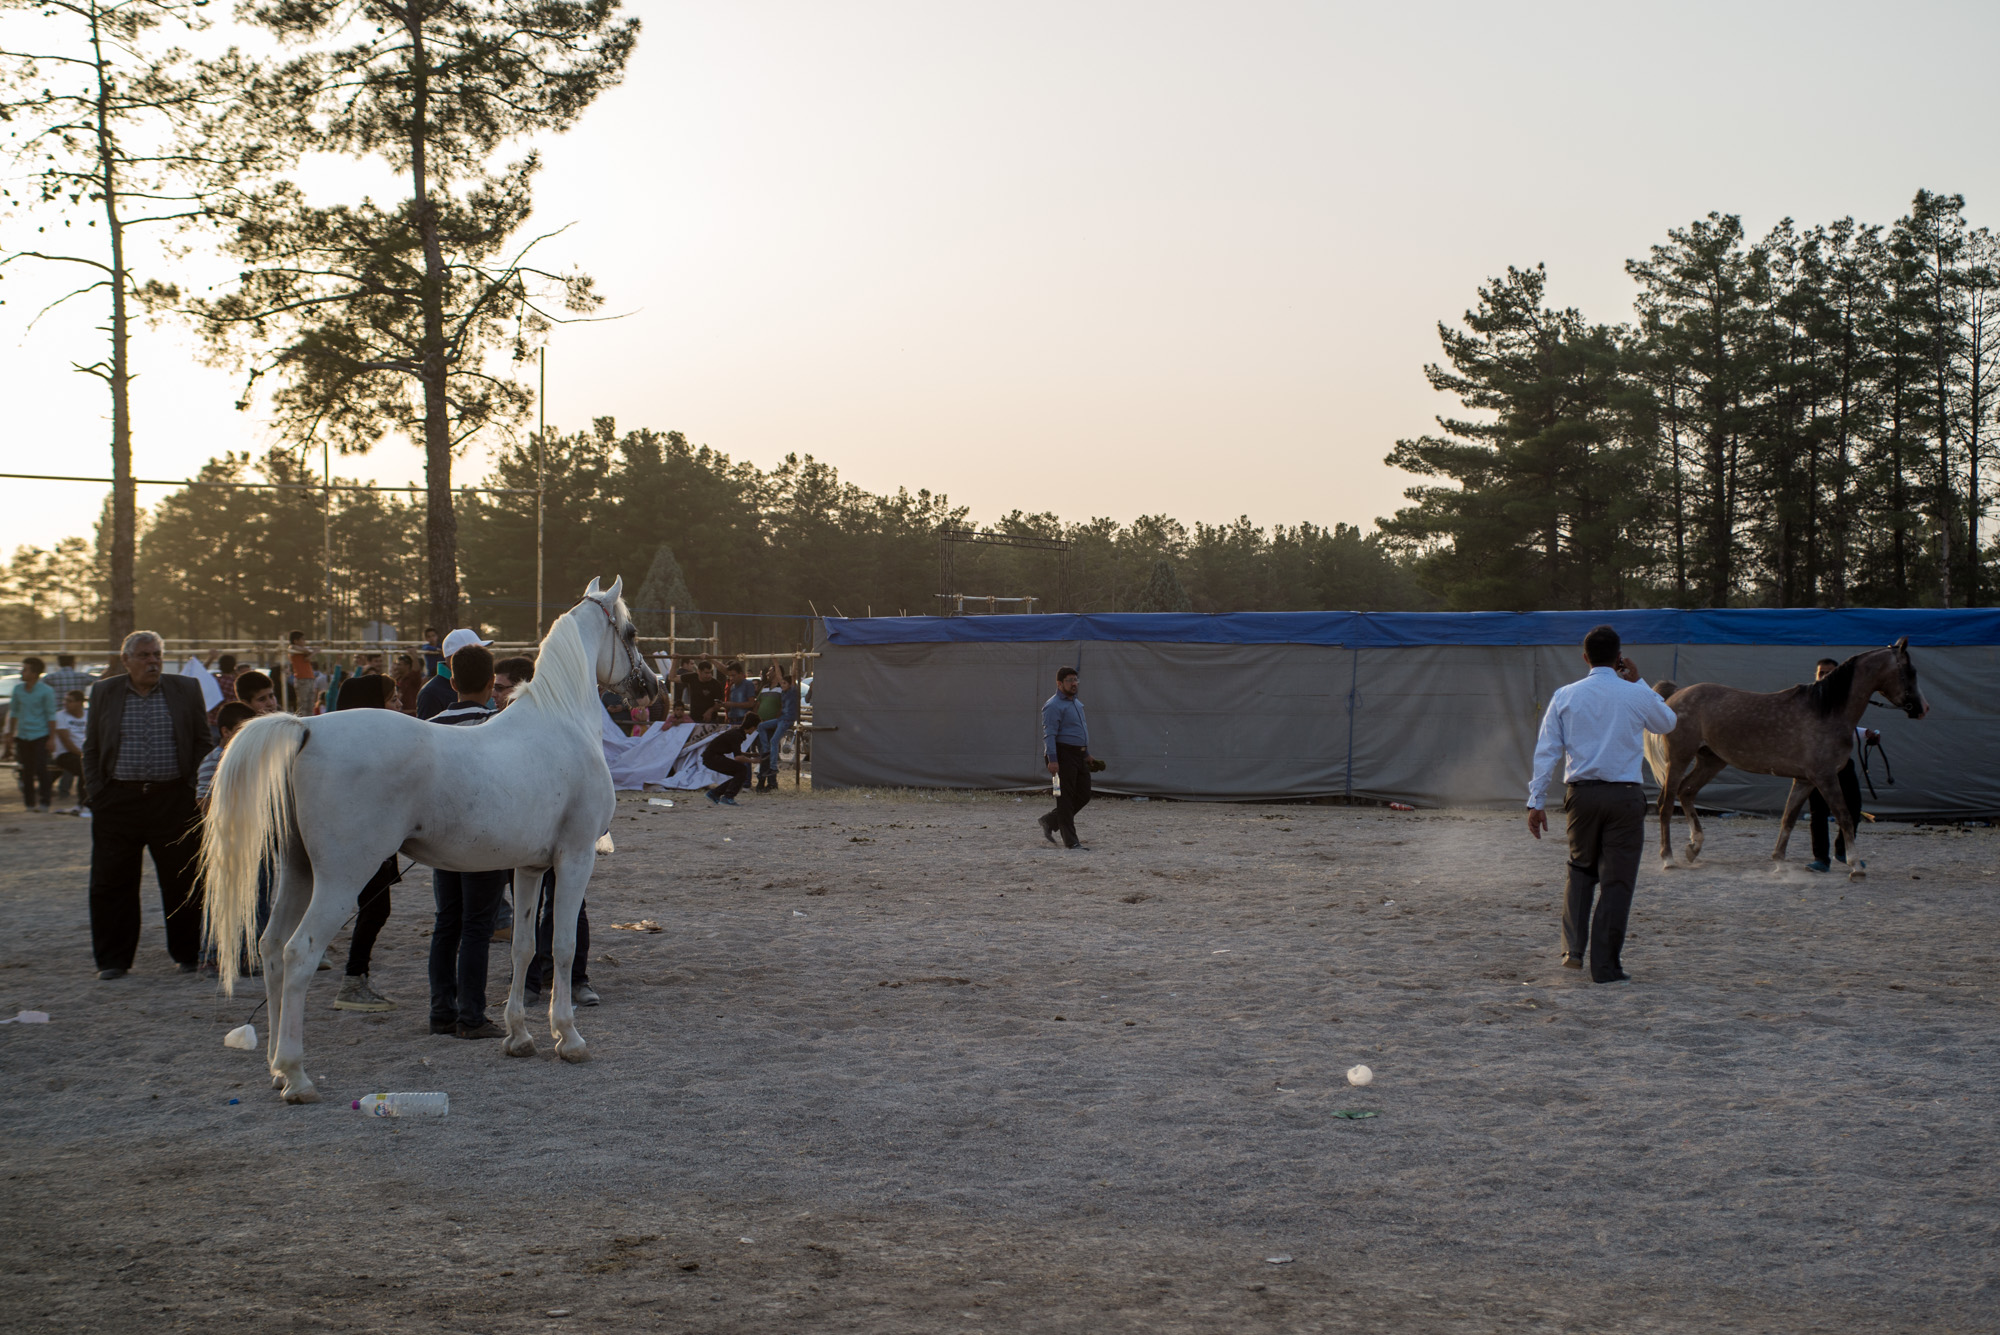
x,y
437,694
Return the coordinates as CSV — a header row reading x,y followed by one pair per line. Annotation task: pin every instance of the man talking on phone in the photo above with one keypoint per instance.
x,y
1599,724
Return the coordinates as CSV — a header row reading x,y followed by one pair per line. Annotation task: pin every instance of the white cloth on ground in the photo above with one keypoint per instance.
x,y
661,756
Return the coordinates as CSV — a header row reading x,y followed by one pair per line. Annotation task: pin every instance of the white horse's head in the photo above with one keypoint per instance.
x,y
608,635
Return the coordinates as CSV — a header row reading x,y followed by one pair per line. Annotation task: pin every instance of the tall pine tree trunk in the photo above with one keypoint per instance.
x,y
440,518
122,613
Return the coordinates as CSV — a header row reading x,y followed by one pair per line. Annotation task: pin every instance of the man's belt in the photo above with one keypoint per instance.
x,y
145,786
1604,783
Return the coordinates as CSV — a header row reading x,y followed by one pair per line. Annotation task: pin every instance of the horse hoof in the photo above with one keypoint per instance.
x,y
277,1080
576,1052
1857,875
303,1092
523,1046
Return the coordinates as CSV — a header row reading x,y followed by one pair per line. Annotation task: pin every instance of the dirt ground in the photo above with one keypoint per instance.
x,y
894,1064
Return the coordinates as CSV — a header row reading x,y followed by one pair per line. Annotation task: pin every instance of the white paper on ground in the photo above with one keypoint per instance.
x,y
27,1017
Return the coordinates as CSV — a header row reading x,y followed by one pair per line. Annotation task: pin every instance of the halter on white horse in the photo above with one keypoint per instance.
x,y
528,790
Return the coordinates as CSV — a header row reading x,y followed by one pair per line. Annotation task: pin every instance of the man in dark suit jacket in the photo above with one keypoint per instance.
x,y
142,748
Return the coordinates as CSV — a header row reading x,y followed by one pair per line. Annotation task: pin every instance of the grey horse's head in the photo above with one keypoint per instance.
x,y
1900,684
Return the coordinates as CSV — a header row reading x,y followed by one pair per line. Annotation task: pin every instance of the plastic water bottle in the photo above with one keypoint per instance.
x,y
405,1105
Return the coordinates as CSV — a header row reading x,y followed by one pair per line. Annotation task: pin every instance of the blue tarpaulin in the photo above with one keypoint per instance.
x,y
1808,626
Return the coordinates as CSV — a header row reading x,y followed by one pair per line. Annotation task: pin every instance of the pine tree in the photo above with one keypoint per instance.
x,y
664,591
1547,492
98,107
378,318
1164,591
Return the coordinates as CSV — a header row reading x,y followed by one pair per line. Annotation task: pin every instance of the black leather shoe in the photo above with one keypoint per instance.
x,y
1048,828
189,968
1620,977
106,975
444,1026
1572,961
487,1030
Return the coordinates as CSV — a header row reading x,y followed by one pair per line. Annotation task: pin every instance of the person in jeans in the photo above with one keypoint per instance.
x,y
31,717
772,701
68,733
143,743
372,910
466,900
1600,724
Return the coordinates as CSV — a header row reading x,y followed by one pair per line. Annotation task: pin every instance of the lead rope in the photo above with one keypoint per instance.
x,y
1888,775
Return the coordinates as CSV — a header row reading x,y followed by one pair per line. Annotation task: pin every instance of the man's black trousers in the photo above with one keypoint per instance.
x,y
1073,766
371,914
738,772
1607,834
542,968
459,942
1850,790
129,820
31,754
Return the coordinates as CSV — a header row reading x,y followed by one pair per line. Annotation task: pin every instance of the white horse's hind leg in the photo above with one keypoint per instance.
x,y
527,893
291,887
572,876
324,915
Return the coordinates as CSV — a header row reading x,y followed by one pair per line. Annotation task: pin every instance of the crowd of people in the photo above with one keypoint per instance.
x,y
136,751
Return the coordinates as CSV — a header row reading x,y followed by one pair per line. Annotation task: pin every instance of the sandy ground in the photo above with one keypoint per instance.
x,y
894,1064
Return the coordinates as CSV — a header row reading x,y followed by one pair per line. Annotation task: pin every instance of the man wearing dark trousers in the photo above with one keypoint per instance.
x,y
142,748
466,901
1600,724
1850,792
1066,749
723,755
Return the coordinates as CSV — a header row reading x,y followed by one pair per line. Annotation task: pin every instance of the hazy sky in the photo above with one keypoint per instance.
x,y
1112,259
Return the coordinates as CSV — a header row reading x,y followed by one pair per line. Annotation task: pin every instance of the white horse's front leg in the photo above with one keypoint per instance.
x,y
572,876
527,894
301,959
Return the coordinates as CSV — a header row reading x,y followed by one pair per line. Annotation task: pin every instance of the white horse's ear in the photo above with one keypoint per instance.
x,y
617,587
593,590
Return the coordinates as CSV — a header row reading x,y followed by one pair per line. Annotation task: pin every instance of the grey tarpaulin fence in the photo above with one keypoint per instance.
x,y
1436,709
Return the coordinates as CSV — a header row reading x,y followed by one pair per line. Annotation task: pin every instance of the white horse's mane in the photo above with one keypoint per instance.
x,y
565,683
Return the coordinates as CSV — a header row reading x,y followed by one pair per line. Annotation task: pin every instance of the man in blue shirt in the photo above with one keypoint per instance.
x,y
1600,723
1066,749
31,715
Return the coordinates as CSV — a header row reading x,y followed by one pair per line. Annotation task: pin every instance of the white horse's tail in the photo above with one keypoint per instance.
x,y
249,819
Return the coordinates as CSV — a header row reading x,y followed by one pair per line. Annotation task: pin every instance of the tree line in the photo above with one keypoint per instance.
x,y
689,528
1805,419
350,319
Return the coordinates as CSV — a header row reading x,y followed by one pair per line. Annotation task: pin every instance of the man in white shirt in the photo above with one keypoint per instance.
x,y
1599,724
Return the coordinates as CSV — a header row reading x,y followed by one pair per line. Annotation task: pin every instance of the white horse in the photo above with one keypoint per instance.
x,y
325,800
